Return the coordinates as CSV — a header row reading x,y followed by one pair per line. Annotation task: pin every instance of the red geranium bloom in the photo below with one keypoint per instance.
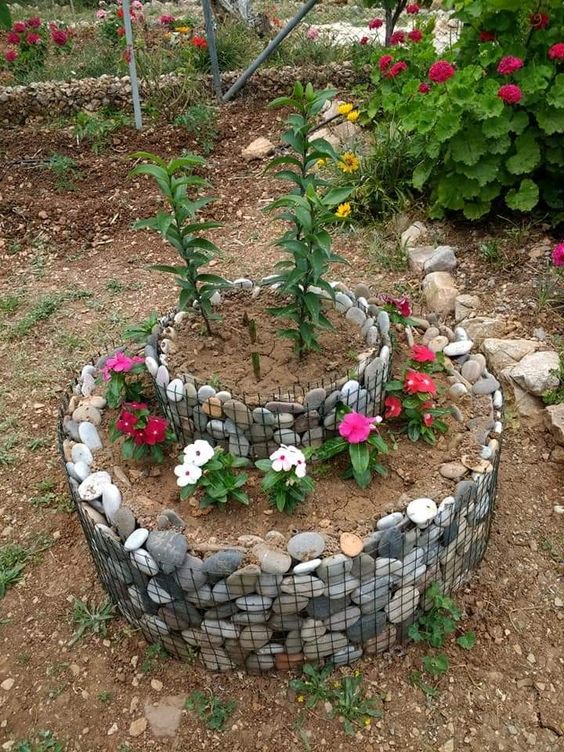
x,y
393,407
155,430
539,20
441,71
510,93
33,23
397,37
33,38
396,69
10,56
12,37
120,31
416,382
126,423
363,40
556,52
487,36
424,88
19,27
199,41
384,62
375,23
415,35
412,9
59,37
422,354
428,419
509,64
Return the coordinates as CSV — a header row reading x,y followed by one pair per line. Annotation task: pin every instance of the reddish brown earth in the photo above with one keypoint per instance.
x,y
505,694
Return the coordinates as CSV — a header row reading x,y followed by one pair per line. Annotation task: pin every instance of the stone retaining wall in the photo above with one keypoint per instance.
x,y
17,103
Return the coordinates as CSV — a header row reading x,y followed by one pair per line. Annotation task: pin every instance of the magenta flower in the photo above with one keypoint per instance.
x,y
312,33
510,93
509,64
356,428
558,254
120,363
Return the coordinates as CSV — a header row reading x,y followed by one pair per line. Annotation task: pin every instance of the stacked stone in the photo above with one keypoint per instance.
x,y
306,419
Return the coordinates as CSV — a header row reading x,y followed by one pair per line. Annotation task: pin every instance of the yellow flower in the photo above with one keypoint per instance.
x,y
343,210
367,722
183,29
349,162
353,116
300,698
345,108
321,162
336,685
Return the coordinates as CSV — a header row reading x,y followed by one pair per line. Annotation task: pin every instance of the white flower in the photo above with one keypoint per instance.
x,y
297,453
198,453
283,458
377,419
301,467
188,474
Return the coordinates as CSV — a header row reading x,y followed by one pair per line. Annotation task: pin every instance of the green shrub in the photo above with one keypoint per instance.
x,y
487,133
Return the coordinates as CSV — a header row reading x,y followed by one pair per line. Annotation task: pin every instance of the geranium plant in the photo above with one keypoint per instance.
x,y
30,41
392,12
285,482
116,372
110,21
145,434
212,471
308,208
359,436
181,228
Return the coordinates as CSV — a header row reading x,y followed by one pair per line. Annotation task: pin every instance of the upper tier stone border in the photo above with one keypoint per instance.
x,y
17,103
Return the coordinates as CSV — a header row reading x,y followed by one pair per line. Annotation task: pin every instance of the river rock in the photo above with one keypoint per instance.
x,y
486,385
167,548
222,564
321,608
328,643
254,603
314,398
458,348
421,511
136,539
343,619
351,545
111,500
175,390
272,561
312,629
402,605
81,453
220,628
305,584
89,435
453,470
306,546
390,520
238,412
334,568
144,561
254,636
367,626
391,544
243,581
269,584
289,604
190,574
93,486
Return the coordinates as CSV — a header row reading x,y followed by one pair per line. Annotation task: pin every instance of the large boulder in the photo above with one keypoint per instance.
x,y
440,292
481,327
501,353
554,421
537,372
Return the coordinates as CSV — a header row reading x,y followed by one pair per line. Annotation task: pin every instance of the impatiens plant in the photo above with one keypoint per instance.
x,y
285,482
145,434
309,208
212,471
115,373
358,435
181,228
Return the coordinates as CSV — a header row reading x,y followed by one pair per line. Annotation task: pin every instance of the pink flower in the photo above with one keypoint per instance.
x,y
10,56
402,305
427,419
510,93
155,430
412,9
415,35
509,64
375,23
487,36
441,71
312,32
101,13
558,254
396,69
356,428
12,37
384,62
33,38
556,52
33,23
166,20
539,20
19,27
423,88
120,363
393,407
422,354
397,37
416,382
59,37
363,40
137,5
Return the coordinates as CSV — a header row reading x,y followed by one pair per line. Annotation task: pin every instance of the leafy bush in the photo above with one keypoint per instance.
x,y
488,118
200,120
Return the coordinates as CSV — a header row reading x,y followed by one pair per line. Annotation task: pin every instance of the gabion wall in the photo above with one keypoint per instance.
x,y
278,602
300,416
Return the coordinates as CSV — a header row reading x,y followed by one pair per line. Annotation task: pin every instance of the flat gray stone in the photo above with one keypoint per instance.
x,y
306,546
167,548
238,412
222,564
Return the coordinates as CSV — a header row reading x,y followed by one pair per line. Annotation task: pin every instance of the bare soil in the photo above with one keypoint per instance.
x,y
504,695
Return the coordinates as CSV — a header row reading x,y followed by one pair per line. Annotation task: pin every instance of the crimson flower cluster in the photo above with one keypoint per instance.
x,y
136,423
31,34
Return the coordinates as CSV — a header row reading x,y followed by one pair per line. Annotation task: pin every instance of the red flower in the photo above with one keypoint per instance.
x,y
419,383
155,430
59,37
120,13
166,20
139,436
441,71
556,52
33,38
136,405
424,88
510,93
402,305
412,9
19,27
428,419
415,35
10,56
397,37
393,407
539,20
33,23
375,23
120,31
126,423
487,36
127,55
199,41
422,354
508,65
363,40
384,62
12,37
396,69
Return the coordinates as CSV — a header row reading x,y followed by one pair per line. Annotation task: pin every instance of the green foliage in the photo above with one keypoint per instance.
x,y
309,207
46,307
43,741
14,558
556,396
154,654
5,15
211,710
218,480
91,619
180,227
138,333
97,129
474,149
284,488
200,121
65,170
347,698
